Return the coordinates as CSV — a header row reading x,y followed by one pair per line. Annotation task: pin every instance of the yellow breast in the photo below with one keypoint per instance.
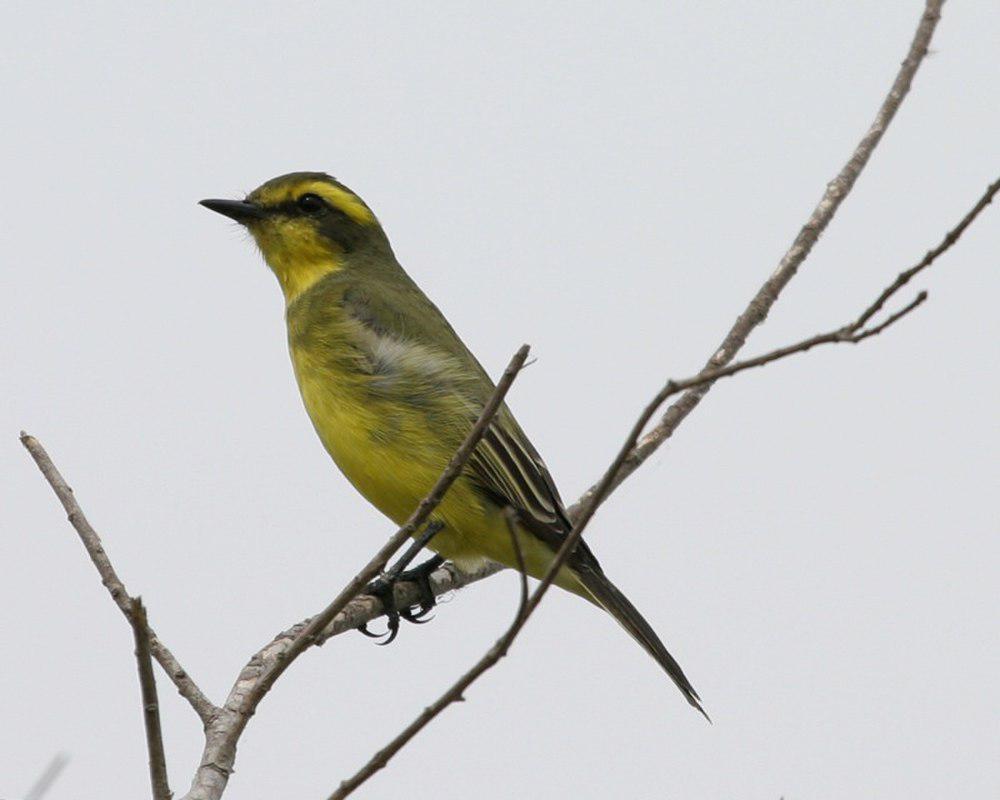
x,y
356,431
392,442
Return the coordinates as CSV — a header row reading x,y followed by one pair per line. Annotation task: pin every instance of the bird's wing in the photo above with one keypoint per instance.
x,y
505,465
510,469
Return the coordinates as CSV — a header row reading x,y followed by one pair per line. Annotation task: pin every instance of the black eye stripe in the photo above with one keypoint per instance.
x,y
330,214
293,208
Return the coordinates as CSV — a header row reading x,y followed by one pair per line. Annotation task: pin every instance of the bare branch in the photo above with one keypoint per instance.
x,y
150,703
949,240
757,310
859,336
267,664
187,688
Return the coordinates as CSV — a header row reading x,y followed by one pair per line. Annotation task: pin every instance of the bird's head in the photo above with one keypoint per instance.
x,y
306,224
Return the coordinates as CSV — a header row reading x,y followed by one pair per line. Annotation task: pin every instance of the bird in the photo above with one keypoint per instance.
x,y
392,391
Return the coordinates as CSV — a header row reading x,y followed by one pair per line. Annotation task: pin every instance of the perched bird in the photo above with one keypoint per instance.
x,y
392,392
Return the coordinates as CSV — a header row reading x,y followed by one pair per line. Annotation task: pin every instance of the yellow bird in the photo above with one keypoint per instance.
x,y
392,392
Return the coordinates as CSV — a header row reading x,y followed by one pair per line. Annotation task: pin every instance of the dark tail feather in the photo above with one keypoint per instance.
x,y
608,597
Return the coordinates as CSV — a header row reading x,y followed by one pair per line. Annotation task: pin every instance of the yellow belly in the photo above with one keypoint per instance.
x,y
384,449
391,455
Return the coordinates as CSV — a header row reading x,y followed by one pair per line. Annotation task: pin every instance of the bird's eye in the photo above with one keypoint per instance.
x,y
310,203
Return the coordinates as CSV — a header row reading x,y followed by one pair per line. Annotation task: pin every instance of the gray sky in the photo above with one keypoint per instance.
x,y
817,546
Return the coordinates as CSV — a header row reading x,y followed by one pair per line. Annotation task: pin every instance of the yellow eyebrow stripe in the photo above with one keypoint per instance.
x,y
340,199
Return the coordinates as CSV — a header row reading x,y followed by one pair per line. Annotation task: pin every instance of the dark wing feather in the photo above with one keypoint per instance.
x,y
510,471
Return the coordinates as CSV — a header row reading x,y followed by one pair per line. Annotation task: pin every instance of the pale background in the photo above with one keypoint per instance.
x,y
818,545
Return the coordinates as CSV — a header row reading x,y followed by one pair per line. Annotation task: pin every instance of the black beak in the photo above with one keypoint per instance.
x,y
238,210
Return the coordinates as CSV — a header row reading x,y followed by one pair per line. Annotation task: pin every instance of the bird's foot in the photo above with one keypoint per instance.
x,y
384,588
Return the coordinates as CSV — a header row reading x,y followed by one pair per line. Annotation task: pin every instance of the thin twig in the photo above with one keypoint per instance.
x,y
856,336
454,693
150,703
949,240
267,664
849,333
757,310
186,686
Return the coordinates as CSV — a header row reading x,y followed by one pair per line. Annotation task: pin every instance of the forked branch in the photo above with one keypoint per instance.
x,y
759,306
186,686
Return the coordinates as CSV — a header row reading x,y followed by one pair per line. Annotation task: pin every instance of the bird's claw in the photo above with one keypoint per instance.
x,y
384,588
363,629
421,576
418,617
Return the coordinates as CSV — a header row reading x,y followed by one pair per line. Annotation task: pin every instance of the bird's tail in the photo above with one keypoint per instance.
x,y
608,597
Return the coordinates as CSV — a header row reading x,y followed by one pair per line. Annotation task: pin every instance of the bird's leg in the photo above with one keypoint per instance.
x,y
384,587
